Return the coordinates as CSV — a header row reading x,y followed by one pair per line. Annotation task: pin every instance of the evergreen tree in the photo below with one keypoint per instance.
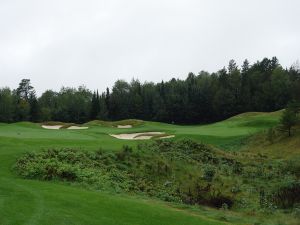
x,y
25,89
103,113
97,104
94,107
107,102
288,119
22,112
245,87
6,105
34,107
23,107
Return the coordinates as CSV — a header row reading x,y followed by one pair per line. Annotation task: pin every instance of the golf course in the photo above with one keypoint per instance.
x,y
150,112
37,201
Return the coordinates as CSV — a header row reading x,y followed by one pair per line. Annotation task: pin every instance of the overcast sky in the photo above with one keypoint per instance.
x,y
59,43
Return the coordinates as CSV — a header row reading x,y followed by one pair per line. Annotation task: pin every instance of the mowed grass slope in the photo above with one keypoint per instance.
x,y
36,202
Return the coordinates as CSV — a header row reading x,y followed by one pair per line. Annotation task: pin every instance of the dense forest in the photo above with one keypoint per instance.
x,y
205,97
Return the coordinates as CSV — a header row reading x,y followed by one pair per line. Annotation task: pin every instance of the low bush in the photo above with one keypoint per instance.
x,y
286,194
209,173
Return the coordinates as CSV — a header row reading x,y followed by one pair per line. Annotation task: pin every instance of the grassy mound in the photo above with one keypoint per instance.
x,y
132,122
253,115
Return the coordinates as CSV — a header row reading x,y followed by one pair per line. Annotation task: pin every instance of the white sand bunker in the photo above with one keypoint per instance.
x,y
124,126
52,127
76,128
141,136
57,127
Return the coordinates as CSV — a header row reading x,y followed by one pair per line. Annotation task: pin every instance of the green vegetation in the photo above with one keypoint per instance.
x,y
290,117
89,177
159,169
130,122
155,169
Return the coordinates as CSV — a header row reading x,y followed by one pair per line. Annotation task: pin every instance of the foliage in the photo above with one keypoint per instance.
x,y
209,173
263,86
132,122
7,106
179,171
288,119
286,193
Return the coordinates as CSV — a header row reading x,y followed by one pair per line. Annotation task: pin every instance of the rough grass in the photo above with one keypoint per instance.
x,y
131,122
280,147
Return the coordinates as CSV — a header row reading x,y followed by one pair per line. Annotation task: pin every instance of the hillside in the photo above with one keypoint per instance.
x,y
280,147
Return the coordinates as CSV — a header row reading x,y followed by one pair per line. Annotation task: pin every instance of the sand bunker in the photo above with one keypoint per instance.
x,y
57,127
76,128
124,126
52,127
140,136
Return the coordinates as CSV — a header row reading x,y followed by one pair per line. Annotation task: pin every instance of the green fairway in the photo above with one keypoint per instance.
x,y
39,202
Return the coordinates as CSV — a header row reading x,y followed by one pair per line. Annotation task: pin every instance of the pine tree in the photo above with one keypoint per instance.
x,y
107,102
24,94
34,107
288,119
94,107
24,90
103,113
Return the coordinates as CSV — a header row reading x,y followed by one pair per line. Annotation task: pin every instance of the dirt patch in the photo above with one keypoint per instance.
x,y
52,127
141,136
76,128
124,126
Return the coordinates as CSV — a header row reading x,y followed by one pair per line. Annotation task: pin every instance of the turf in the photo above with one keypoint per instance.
x,y
37,202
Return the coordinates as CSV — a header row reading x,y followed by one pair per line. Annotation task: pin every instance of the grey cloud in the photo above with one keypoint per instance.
x,y
92,42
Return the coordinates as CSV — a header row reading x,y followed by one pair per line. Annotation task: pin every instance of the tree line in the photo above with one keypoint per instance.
x,y
200,98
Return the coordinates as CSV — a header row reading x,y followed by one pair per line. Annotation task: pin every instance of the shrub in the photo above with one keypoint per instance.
x,y
219,201
125,153
293,167
209,173
224,206
287,194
